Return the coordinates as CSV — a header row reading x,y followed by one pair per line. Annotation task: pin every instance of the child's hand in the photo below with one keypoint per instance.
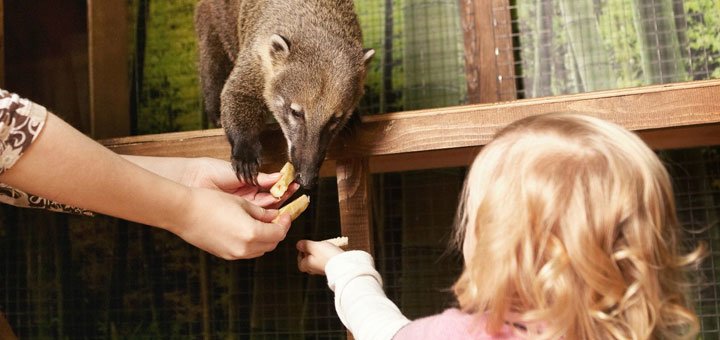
x,y
313,256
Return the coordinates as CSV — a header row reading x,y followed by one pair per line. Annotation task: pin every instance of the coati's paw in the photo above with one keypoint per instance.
x,y
246,161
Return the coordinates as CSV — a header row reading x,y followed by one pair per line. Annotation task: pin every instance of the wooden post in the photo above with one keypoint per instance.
x,y
489,61
108,68
354,184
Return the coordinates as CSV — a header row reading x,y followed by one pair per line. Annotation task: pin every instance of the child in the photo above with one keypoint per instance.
x,y
569,232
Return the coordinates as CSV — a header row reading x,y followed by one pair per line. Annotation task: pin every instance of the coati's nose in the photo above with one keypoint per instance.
x,y
307,181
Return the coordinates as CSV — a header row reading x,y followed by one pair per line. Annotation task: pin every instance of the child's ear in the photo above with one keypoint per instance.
x,y
369,53
279,48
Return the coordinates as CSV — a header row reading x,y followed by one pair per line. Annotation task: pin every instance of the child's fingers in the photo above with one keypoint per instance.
x,y
302,246
307,262
310,247
311,264
302,263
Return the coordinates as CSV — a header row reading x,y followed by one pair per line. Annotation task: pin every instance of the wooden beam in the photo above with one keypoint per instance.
x,y
682,137
489,61
353,181
658,139
108,68
423,160
668,116
652,107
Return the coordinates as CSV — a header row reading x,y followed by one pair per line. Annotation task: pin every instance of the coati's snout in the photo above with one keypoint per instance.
x,y
307,164
312,104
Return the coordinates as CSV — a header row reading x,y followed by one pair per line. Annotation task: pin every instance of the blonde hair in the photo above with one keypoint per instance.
x,y
575,234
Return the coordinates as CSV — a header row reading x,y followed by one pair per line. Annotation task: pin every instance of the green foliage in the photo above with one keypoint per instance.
x,y
619,34
626,46
170,100
703,32
381,96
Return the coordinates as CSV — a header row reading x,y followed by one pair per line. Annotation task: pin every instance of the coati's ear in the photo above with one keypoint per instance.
x,y
369,53
279,48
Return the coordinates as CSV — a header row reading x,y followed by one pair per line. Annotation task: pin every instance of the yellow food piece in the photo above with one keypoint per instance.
x,y
296,207
288,176
341,241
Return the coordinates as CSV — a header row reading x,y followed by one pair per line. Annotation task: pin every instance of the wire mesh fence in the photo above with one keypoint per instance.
x,y
696,180
563,46
100,278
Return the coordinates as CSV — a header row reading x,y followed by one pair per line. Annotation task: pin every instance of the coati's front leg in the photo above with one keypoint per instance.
x,y
214,59
243,112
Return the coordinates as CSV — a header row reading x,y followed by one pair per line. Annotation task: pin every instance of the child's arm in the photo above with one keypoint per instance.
x,y
360,301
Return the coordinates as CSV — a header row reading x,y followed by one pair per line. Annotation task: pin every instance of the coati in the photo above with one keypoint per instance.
x,y
301,60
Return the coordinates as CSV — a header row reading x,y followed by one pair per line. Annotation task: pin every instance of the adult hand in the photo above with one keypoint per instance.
x,y
229,226
313,256
217,174
213,173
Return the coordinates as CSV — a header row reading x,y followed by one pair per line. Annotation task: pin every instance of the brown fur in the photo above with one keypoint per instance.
x,y
259,57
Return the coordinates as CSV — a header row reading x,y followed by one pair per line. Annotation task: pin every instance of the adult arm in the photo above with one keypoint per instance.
x,y
64,165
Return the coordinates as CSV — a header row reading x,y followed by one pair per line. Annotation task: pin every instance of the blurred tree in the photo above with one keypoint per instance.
x,y
543,49
703,35
658,40
591,59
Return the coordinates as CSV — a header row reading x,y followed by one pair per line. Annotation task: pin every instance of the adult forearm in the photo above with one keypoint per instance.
x,y
66,166
173,168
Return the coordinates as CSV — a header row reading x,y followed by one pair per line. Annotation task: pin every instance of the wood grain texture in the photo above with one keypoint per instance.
x,y
354,183
668,116
654,107
505,61
489,66
108,68
682,137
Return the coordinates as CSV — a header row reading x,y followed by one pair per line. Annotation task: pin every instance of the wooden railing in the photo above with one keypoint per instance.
x,y
666,116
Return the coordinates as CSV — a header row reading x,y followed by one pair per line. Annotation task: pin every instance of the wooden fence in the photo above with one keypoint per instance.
x,y
665,116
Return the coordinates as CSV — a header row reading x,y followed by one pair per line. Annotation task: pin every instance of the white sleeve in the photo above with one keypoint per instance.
x,y
360,301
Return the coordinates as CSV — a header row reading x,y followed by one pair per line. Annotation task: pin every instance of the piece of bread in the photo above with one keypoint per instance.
x,y
296,207
288,176
341,241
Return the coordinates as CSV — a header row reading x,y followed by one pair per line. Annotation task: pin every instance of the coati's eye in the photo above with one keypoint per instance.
x,y
297,114
297,111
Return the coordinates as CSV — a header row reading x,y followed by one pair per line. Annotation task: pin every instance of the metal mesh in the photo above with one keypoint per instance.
x,y
696,180
569,46
412,223
419,54
99,278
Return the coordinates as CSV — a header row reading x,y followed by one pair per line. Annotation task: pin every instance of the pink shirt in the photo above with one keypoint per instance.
x,y
452,324
366,311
